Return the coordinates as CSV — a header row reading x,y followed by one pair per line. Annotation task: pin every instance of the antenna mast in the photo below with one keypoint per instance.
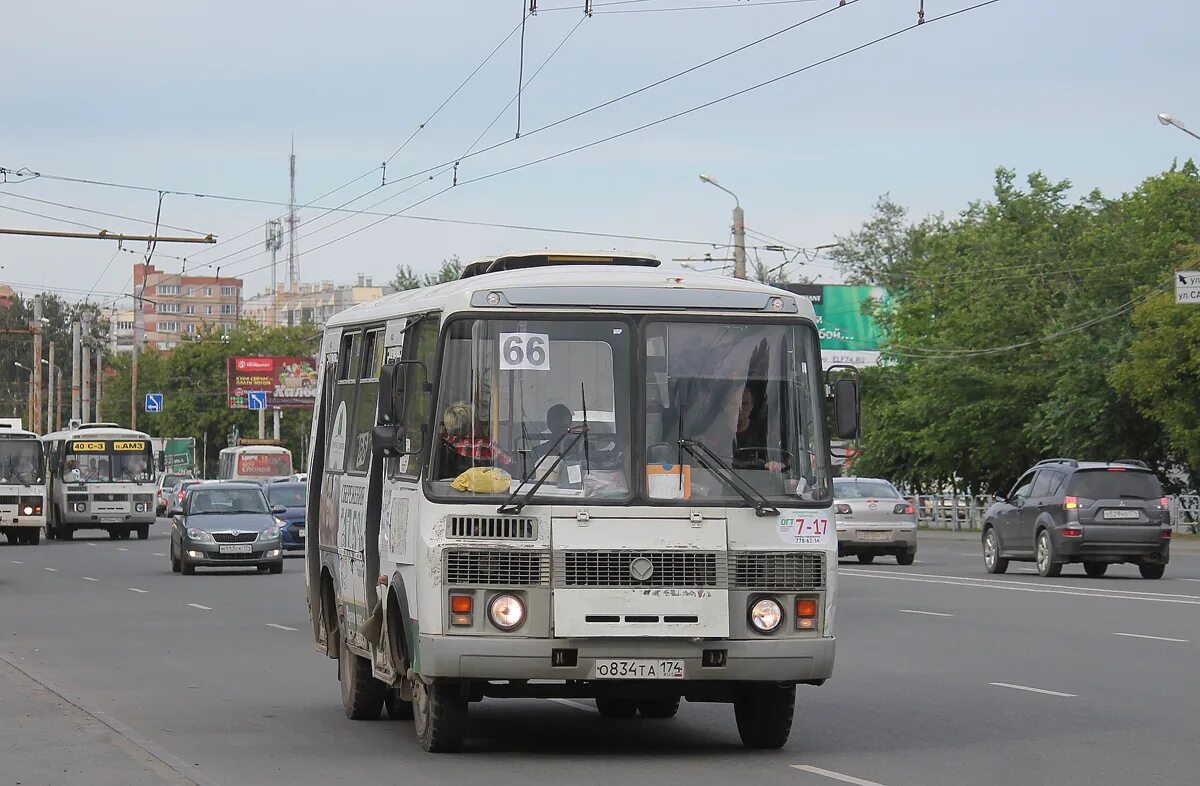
x,y
293,269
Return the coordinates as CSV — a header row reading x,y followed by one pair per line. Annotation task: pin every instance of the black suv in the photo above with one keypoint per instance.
x,y
1097,513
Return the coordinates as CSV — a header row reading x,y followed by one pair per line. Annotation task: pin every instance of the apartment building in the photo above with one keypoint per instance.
x,y
178,307
311,304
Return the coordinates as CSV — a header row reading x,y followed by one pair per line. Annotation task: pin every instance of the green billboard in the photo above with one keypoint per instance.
x,y
849,335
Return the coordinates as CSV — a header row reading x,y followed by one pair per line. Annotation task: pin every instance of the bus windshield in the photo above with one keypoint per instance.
x,y
536,402
733,413
108,461
21,461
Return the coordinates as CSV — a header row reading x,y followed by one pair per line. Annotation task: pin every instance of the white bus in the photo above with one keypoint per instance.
x,y
99,476
255,463
22,485
576,476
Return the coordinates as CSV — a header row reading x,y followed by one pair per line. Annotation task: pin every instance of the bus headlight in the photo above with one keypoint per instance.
x,y
506,612
140,507
79,507
27,510
766,615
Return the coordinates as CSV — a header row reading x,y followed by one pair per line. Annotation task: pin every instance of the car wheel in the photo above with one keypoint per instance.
x,y
866,559
659,708
439,716
144,532
764,715
1152,570
362,694
906,557
277,568
1095,569
610,707
174,561
1047,568
185,567
991,553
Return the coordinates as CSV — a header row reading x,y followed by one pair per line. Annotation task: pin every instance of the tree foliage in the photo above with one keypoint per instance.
x,y
407,278
1031,325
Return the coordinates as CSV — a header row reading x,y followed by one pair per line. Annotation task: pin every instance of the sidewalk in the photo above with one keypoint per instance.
x,y
1180,544
48,741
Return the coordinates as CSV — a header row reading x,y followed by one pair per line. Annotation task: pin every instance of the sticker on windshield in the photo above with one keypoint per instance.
x,y
524,351
804,529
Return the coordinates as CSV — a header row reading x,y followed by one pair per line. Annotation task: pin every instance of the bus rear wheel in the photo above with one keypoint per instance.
x,y
439,715
362,694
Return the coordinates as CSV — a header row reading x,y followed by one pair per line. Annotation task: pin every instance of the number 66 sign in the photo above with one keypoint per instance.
x,y
529,351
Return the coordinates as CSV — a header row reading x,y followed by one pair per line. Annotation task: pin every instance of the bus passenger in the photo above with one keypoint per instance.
x,y
71,475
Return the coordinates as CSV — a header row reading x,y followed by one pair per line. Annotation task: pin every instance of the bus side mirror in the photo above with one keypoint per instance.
x,y
845,408
392,441
391,379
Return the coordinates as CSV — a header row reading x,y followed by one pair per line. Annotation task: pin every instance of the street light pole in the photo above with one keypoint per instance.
x,y
739,229
1168,120
29,404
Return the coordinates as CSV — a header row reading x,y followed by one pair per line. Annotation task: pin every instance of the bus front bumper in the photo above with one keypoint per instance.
x,y
509,658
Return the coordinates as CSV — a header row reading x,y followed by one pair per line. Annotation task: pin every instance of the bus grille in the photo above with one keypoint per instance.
x,y
616,569
8,500
497,568
778,570
499,527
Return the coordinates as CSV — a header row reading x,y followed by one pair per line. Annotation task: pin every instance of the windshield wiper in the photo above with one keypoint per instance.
x,y
20,477
507,506
717,466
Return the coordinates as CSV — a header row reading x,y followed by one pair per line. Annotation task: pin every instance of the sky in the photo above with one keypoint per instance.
x,y
206,99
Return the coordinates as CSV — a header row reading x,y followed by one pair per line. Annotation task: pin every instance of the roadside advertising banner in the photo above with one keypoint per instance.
x,y
849,335
290,382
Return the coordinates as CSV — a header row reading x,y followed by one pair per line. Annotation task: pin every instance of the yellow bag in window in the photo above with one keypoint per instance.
x,y
483,480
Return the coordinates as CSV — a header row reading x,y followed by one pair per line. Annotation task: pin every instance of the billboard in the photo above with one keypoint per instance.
x,y
849,335
290,382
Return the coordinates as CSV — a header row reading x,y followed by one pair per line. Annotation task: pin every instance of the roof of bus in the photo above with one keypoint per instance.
x,y
98,432
256,448
8,432
456,295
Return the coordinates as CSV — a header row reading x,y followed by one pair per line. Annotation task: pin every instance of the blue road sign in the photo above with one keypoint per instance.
x,y
256,399
154,402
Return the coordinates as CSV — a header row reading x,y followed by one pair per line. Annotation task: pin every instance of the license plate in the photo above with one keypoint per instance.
x,y
1121,514
235,548
618,669
111,519
874,535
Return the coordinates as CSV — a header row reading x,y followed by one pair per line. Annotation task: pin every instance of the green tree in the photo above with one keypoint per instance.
x,y
407,278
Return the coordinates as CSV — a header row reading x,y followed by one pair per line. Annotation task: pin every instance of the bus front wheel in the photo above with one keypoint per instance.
x,y
764,715
439,715
143,532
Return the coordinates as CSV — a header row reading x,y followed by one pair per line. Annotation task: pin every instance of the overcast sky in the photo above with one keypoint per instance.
x,y
205,97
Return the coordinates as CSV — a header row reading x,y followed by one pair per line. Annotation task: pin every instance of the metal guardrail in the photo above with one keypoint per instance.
x,y
965,512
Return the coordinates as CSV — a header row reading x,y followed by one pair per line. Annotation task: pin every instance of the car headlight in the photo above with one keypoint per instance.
x,y
766,615
269,533
200,535
506,612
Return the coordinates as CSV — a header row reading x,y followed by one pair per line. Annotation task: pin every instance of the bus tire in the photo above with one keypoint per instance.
x,y
34,537
66,533
114,535
616,707
659,708
764,715
362,694
439,716
397,708
143,532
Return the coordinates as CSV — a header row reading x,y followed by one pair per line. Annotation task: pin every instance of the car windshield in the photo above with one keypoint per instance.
x,y
1114,484
529,402
732,406
20,461
224,500
288,496
864,489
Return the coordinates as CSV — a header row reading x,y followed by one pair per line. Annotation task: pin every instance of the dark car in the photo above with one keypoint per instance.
x,y
1098,513
225,525
291,496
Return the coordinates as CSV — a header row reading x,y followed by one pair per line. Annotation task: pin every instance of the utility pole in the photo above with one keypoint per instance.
x,y
139,326
36,393
51,426
86,364
75,370
739,242
99,377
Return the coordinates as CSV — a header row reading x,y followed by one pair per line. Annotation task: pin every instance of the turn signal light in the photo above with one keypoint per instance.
x,y
806,607
461,604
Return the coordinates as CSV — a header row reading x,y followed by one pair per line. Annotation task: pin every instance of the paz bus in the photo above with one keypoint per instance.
x,y
22,485
575,476
99,476
255,463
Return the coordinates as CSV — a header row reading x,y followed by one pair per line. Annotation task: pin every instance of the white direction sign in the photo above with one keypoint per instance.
x,y
154,402
1187,286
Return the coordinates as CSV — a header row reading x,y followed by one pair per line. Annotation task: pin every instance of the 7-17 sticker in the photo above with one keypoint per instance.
x,y
804,530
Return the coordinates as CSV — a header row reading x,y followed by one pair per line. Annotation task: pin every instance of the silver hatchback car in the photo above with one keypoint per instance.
x,y
873,519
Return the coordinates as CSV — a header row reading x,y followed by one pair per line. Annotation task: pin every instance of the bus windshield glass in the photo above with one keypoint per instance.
x,y
21,461
529,402
733,413
108,461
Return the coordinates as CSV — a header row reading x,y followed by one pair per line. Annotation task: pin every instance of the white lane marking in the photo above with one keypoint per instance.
x,y
929,613
198,606
52,570
17,562
1092,587
1033,690
121,548
1028,571
135,589
1049,589
159,555
90,543
574,704
1189,579
280,627
88,578
837,776
1156,638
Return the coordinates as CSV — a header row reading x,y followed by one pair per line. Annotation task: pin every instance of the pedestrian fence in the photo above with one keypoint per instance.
x,y
966,512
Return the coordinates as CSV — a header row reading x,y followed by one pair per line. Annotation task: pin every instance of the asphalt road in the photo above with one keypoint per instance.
x,y
944,675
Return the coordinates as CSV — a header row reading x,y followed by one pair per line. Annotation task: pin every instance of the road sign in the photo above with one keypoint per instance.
x,y
1187,286
256,399
154,402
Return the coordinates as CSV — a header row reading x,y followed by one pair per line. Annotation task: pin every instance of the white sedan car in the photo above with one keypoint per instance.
x,y
873,519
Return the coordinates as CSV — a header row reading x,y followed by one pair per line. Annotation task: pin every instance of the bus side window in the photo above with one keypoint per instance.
x,y
359,437
420,345
340,430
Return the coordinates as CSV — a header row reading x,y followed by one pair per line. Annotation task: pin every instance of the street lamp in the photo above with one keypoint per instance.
x,y
29,406
1168,120
739,229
